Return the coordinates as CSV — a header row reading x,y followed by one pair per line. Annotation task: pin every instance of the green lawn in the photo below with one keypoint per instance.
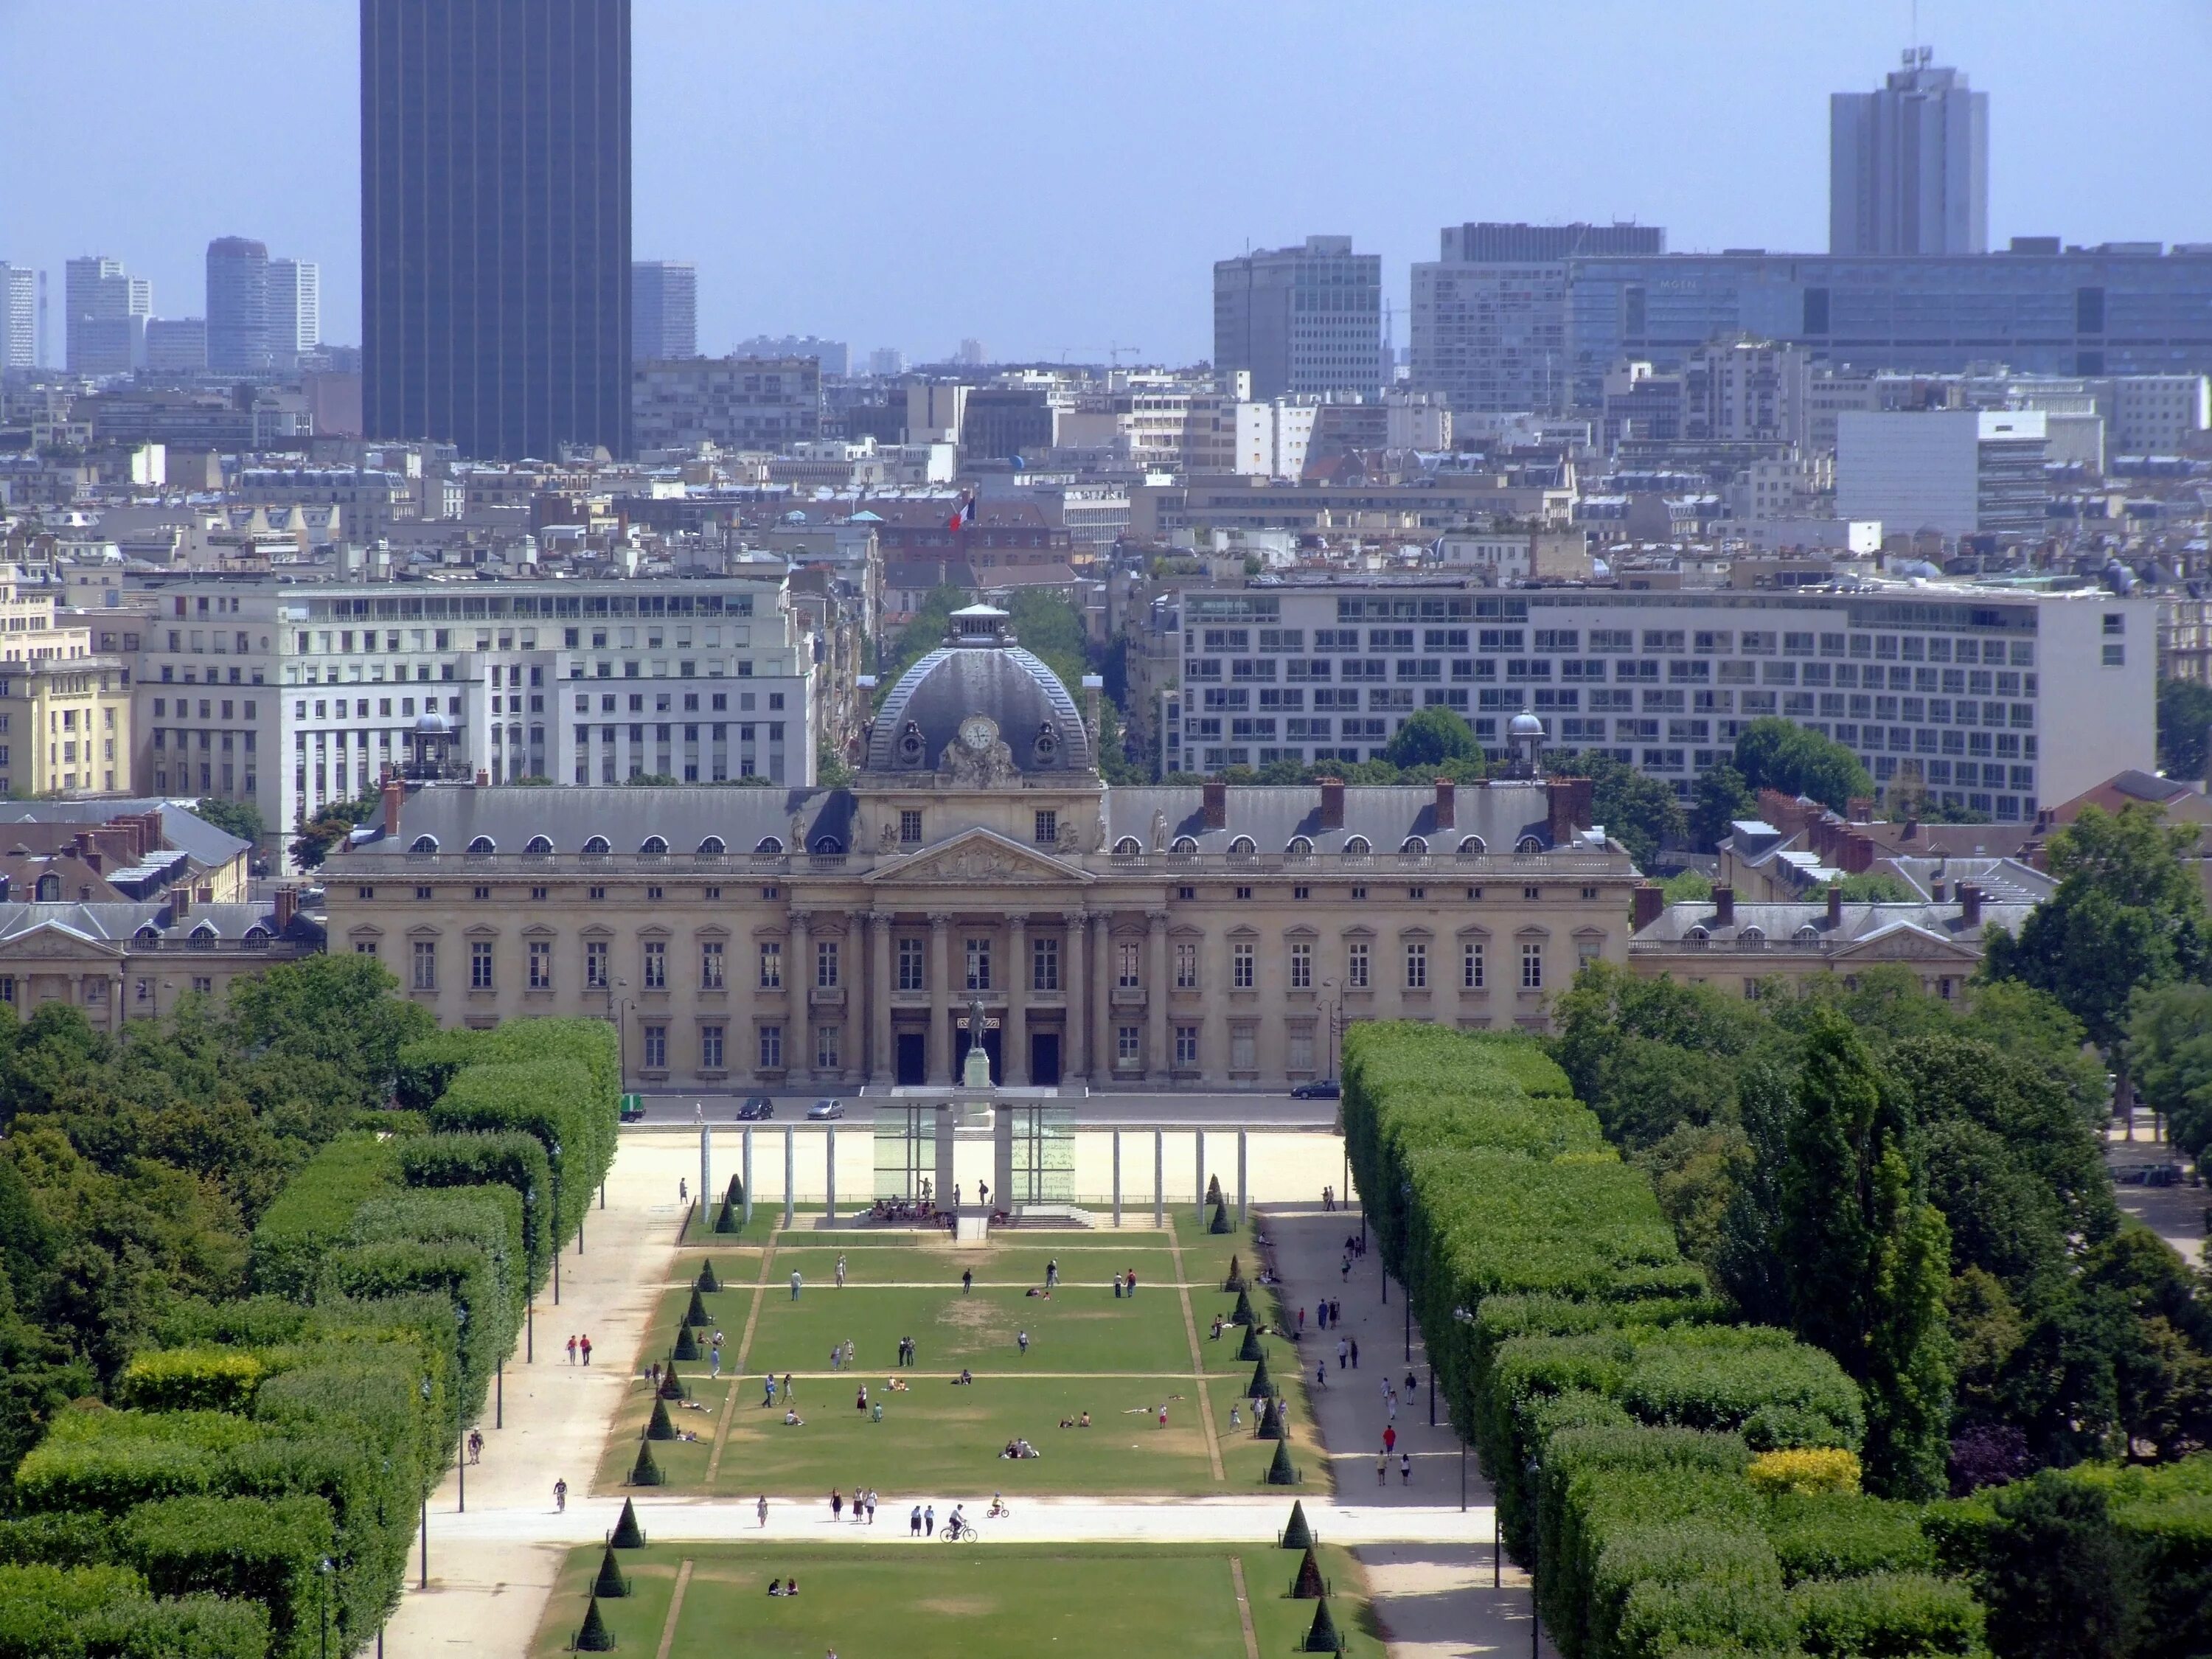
x,y
897,1600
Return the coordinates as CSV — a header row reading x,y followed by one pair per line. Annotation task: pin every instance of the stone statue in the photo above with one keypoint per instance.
x,y
976,1070
888,839
1098,834
1159,830
799,832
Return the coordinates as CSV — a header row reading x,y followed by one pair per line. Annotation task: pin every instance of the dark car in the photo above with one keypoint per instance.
x,y
757,1109
633,1109
1327,1088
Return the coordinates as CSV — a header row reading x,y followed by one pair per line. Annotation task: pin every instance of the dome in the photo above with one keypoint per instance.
x,y
432,724
981,672
1526,725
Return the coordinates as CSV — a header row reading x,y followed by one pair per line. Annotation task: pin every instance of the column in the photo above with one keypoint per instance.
x,y
940,989
1101,999
1199,1176
799,1062
1073,1065
747,1181
882,1063
1243,1189
1156,997
1014,1040
705,1171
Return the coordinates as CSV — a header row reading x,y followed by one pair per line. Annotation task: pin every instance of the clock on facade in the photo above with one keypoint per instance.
x,y
978,731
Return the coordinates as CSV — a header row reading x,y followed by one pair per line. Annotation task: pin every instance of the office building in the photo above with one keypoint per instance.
x,y
105,316
238,306
1958,472
886,360
176,345
664,317
1493,243
2003,699
835,356
732,403
2155,414
18,316
495,253
295,311
1746,391
1909,166
1301,321
1114,936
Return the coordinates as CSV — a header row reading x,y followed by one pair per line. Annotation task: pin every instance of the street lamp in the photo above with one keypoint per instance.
x,y
1405,1193
323,1601
461,1454
529,1301
1535,1548
426,1505
1461,1317
556,1150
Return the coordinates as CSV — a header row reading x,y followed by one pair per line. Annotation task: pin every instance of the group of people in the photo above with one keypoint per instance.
x,y
1327,1312
1125,1283
897,1209
580,1344
1018,1447
863,1504
777,1587
841,1354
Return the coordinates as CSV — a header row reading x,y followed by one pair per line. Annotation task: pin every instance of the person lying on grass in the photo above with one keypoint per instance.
x,y
1072,1423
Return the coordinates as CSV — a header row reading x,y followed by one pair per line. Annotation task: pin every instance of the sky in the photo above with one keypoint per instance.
x,y
1056,178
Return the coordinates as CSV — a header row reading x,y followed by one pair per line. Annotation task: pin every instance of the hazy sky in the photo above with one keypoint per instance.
x,y
1053,176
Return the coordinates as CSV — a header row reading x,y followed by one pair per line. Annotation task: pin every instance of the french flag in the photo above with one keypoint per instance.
x,y
963,514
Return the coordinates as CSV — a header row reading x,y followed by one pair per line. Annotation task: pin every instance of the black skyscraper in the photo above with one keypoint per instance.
x,y
495,223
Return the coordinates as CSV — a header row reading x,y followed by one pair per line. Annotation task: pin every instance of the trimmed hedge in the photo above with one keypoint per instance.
x,y
104,1612
104,1461
547,1098
242,1548
513,1158
315,1210
1828,1535
1902,1614
204,1378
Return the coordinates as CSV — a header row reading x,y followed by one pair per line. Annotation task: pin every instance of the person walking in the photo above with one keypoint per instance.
x,y
913,1522
836,1504
1382,1471
1320,1375
1343,1348
871,1506
768,1390
1405,1468
1390,1440
967,1275
1355,1353
849,1353
1335,1312
572,1350
683,1192
559,1497
1052,1274
795,1283
760,1509
476,1445
837,1355
788,1395
1132,1281
1022,1338
841,1272
929,1514
1302,1321
584,1343
715,1357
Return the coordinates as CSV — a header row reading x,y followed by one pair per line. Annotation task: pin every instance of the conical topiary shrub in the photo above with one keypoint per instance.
x,y
611,1582
731,1217
1250,1350
1261,1387
696,1313
594,1637
659,1428
1279,1472
645,1471
628,1535
706,1281
1321,1636
1220,1222
1307,1586
1241,1314
671,1386
1271,1422
1235,1279
1213,1190
1297,1535
686,1348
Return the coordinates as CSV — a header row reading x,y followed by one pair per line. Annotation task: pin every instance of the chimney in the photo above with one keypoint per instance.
x,y
1860,809
1969,904
1332,803
484,779
288,906
1217,804
180,904
395,799
1647,903
1835,904
1911,829
1858,853
1569,800
1447,805
1937,889
1724,905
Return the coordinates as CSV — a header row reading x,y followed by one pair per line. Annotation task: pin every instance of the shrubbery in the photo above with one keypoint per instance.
x,y
315,1210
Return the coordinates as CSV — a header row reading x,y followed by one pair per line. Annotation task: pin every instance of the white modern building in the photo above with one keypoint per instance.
x,y
1956,470
105,312
1909,166
2002,700
1302,320
664,316
18,316
295,311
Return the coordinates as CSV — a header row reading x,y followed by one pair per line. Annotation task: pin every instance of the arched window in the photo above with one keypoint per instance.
x,y
482,845
712,848
828,846
768,844
1751,938
1184,845
204,937
1358,848
540,846
1244,847
1808,935
1414,845
1127,847
1528,844
1697,938
597,847
653,847
424,844
147,938
1471,847
1300,848
48,890
257,938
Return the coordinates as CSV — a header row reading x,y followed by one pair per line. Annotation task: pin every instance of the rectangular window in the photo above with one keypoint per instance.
x,y
771,966
1044,964
1417,967
710,1047
1355,967
656,964
426,965
909,827
1532,967
771,1048
710,965
1242,967
1470,967
1048,827
1128,956
1185,1058
826,1045
541,965
825,963
1243,1045
656,1047
1302,966
595,964
979,964
1186,977
1127,1039
910,971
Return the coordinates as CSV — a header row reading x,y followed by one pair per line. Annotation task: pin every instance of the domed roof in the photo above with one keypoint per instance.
x,y
980,672
1525,726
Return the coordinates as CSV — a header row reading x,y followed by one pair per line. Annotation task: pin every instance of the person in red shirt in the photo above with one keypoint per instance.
x,y
1390,1440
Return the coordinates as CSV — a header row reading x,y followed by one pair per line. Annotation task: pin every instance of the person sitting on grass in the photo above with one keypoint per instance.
x,y
1083,1421
966,1375
1216,1328
1022,1449
1066,1422
1034,1292
775,1587
1010,1451
791,1420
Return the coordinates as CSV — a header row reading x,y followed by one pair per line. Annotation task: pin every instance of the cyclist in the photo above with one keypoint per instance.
x,y
955,1524
998,1507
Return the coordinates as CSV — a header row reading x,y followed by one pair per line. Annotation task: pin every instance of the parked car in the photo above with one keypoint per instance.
x,y
823,1111
633,1111
757,1108
1327,1088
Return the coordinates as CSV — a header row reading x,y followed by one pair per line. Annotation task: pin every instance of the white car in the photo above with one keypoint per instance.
x,y
823,1111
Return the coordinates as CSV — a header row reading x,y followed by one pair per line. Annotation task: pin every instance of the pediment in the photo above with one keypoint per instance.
x,y
1902,941
978,856
51,941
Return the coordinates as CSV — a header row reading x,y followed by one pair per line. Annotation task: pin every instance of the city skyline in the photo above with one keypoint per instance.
x,y
153,186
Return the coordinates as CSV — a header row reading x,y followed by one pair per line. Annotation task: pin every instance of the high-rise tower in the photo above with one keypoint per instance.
x,y
496,223
237,305
1909,166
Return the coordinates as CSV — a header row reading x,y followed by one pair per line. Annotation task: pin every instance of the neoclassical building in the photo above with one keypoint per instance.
x,y
749,939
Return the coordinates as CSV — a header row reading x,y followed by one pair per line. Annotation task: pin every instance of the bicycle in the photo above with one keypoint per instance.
x,y
998,1512
957,1531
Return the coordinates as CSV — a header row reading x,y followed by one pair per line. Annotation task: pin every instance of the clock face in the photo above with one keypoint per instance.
x,y
976,732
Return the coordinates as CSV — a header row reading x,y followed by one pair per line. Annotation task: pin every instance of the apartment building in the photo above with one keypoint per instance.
x,y
64,706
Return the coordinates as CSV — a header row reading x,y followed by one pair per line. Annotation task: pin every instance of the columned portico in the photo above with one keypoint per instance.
x,y
881,1061
1156,997
801,1057
1075,1065
940,1007
1014,1046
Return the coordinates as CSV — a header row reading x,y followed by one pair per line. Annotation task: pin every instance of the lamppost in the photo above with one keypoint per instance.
x,y
323,1601
556,1151
1535,1548
1406,1194
461,1452
1461,1317
426,1505
617,1017
530,1302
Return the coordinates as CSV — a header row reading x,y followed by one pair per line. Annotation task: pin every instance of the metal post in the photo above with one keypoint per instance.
x,y
748,1175
461,1469
1496,1525
1432,1394
556,1271
426,1540
1159,1178
1198,1183
706,1164
603,1195
1117,1178
790,1175
581,1214
1462,1475
1242,1190
499,1410
1408,1300
530,1333
829,1168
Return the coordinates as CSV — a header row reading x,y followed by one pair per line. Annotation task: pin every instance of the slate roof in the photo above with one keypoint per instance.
x,y
1011,685
1501,814
121,923
626,816
1862,923
207,846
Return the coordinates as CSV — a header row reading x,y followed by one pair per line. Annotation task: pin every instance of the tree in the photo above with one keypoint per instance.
x,y
1434,735
2128,914
337,820
2059,1581
1777,754
2170,1054
1638,812
2184,718
829,769
1720,796
1876,887
1867,1258
241,819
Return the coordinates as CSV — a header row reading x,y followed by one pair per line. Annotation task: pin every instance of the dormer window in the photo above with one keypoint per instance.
x,y
424,844
712,848
653,847
483,845
597,847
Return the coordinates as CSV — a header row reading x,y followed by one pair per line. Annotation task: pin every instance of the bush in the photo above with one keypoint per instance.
x,y
1242,1314
658,1427
1279,1470
645,1471
510,1159
58,1541
706,1281
1779,1391
1220,1222
687,1345
1837,1534
1297,1535
610,1583
1809,1469
696,1313
731,1217
1261,1387
104,1612
242,1548
201,1378
107,1461
1307,1585
430,1063
1321,1635
594,1636
1893,1613
628,1535
547,1098
1249,1349
315,1210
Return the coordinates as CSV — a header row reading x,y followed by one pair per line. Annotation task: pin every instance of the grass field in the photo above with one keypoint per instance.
x,y
931,1600
1118,1359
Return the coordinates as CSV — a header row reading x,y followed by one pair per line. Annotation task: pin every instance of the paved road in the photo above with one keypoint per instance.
x,y
2175,1213
1101,1111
